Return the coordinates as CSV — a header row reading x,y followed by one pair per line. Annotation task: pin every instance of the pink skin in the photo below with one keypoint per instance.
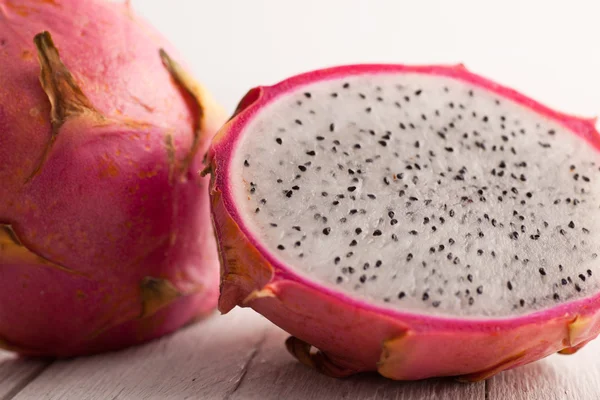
x,y
109,206
353,335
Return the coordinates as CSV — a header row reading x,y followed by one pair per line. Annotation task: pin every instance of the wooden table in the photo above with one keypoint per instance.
x,y
242,356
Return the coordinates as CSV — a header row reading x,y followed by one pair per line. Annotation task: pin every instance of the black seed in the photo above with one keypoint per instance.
x,y
311,153
281,247
288,194
470,278
353,243
246,163
509,285
577,287
298,122
571,225
302,168
542,271
326,231
479,289
401,295
449,149
377,232
425,296
278,140
378,264
413,232
409,257
358,231
296,187
346,85
582,277
555,296
307,95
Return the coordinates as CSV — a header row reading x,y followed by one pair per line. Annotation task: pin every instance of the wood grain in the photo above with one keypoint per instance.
x,y
560,377
274,374
205,361
242,356
16,373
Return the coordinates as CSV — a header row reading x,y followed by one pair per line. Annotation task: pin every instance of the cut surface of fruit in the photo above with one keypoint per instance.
x,y
422,192
393,216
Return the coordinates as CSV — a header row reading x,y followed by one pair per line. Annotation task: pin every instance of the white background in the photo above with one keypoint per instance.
x,y
550,50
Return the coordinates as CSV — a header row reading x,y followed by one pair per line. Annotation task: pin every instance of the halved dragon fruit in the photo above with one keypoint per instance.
x,y
418,221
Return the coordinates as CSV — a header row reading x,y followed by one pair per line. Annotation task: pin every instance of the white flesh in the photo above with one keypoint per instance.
x,y
426,266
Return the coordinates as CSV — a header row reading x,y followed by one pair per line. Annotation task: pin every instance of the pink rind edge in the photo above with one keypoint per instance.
x,y
226,139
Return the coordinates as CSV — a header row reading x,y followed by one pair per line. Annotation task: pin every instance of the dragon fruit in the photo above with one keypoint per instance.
x,y
418,221
105,237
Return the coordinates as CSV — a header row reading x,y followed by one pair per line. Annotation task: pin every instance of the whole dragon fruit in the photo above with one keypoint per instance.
x,y
418,221
105,237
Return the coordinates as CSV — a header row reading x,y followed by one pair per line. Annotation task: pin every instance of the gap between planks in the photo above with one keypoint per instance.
x,y
242,356
16,373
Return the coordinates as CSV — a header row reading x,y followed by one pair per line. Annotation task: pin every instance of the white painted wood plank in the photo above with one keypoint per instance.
x,y
558,377
17,372
204,361
274,374
242,356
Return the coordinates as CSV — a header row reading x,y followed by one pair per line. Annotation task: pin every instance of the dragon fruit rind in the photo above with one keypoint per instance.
x,y
105,238
418,221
